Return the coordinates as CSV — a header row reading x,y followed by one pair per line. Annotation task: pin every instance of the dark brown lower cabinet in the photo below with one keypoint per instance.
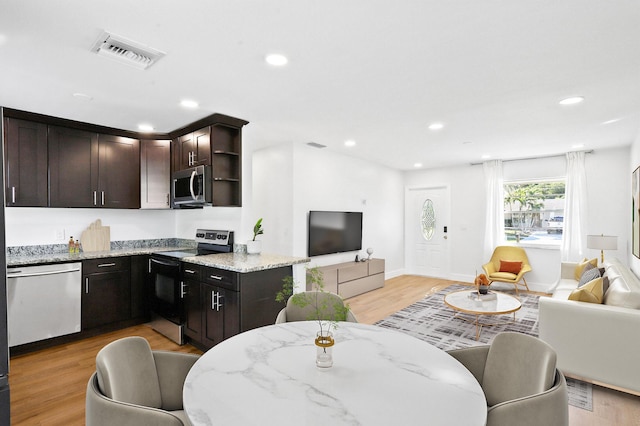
x,y
221,303
106,292
220,315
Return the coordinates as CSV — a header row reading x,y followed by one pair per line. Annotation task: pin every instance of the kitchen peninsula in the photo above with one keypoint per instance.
x,y
224,293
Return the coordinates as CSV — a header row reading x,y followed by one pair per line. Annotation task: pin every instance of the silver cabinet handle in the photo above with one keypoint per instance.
x,y
216,301
106,265
189,271
103,198
216,277
95,198
167,198
13,194
183,290
86,285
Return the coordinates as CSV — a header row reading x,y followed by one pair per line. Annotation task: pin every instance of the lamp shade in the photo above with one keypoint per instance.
x,y
602,242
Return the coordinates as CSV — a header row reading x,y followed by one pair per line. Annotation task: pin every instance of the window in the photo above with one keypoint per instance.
x,y
534,211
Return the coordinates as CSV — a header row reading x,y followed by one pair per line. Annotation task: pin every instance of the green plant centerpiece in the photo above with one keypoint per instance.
x,y
255,246
318,305
257,229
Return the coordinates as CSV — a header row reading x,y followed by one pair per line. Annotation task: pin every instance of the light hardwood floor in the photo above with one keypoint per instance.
x,y
48,387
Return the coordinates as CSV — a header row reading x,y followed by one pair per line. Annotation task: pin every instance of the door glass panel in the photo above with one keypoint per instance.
x,y
428,220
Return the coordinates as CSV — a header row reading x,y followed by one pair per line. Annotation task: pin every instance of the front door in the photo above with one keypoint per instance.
x,y
426,231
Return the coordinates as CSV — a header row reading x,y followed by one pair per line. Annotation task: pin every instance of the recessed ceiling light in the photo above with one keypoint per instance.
x,y
82,96
145,127
417,165
577,146
572,100
3,39
485,156
436,126
611,121
188,103
467,143
276,60
350,142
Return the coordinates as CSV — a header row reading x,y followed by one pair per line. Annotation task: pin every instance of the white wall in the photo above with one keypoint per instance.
x,y
35,226
292,179
634,163
608,209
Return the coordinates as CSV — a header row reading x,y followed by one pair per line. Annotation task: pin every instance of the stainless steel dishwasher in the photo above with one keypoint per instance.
x,y
43,301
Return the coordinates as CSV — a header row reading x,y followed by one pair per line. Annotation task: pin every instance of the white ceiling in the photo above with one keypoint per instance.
x,y
377,72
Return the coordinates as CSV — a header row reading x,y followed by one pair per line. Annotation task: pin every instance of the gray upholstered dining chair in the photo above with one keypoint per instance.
x,y
520,380
291,312
134,385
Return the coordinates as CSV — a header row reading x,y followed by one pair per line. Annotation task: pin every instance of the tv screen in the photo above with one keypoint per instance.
x,y
334,232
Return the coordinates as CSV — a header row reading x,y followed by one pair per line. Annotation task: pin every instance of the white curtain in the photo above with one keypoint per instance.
x,y
575,208
494,221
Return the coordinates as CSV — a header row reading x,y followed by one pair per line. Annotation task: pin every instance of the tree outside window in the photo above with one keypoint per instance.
x,y
534,211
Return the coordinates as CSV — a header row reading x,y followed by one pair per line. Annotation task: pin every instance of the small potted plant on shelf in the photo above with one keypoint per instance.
x,y
255,246
327,311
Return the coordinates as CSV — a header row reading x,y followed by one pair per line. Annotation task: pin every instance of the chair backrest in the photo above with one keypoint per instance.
x,y
327,301
517,365
508,253
127,372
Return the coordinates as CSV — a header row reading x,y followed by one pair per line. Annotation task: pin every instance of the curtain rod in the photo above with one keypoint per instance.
x,y
534,158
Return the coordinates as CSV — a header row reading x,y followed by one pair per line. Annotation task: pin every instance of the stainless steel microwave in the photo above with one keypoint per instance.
x,y
192,187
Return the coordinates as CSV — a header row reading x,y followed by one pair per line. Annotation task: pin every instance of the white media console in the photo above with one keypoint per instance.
x,y
352,278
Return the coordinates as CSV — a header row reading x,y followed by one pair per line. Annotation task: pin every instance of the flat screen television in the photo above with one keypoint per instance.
x,y
334,232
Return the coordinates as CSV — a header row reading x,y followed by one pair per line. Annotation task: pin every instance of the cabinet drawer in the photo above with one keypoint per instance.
x,y
221,278
376,266
191,272
350,273
108,264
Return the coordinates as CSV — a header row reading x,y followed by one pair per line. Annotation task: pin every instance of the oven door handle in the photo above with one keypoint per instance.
x,y
160,262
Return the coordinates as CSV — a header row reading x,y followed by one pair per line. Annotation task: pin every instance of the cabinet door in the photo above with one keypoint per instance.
x,y
186,151
194,149
155,174
221,316
26,163
106,298
139,277
119,172
202,142
193,307
73,167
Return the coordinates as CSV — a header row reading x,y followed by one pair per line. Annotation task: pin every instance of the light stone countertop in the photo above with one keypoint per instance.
x,y
268,375
63,257
236,262
241,262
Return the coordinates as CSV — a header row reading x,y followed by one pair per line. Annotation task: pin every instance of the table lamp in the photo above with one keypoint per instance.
x,y
602,243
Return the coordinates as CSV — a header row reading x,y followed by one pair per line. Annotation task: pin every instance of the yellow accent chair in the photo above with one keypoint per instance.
x,y
507,255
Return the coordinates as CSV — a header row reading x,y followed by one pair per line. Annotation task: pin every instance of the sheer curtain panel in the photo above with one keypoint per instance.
x,y
575,208
494,223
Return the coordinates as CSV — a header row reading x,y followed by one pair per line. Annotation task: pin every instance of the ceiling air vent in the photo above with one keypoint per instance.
x,y
316,145
126,51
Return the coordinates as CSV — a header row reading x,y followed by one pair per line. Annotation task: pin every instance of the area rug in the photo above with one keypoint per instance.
x,y
432,321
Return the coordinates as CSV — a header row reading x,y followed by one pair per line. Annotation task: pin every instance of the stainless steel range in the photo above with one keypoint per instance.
x,y
167,291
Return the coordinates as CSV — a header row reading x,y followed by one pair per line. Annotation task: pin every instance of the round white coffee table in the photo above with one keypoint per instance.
x,y
463,302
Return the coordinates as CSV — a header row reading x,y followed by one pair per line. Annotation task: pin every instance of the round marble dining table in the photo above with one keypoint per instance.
x,y
268,376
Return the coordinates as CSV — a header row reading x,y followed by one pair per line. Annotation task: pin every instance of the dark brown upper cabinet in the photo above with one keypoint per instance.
x,y
194,149
91,170
25,163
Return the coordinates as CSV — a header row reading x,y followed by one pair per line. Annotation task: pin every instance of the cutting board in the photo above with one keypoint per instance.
x,y
96,237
